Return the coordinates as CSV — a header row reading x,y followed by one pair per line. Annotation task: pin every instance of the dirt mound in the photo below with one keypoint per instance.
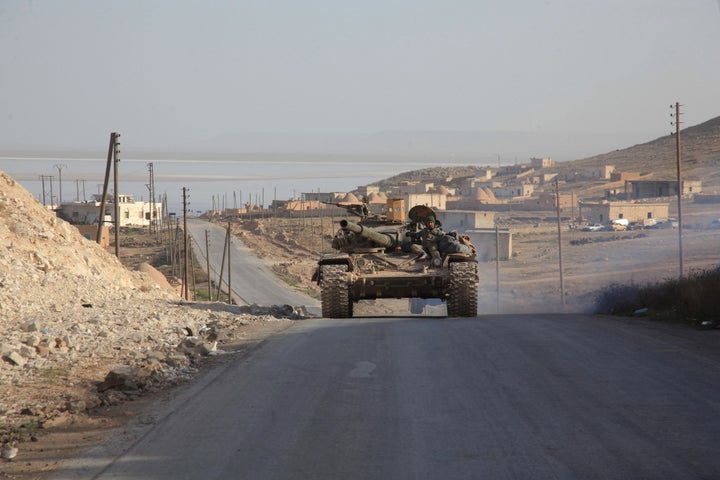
x,y
45,262
157,277
72,316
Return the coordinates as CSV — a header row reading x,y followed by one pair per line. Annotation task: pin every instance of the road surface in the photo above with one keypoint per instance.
x,y
252,279
494,397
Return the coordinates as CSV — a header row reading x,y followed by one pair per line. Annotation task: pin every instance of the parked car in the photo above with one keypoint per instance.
x,y
715,223
619,224
593,227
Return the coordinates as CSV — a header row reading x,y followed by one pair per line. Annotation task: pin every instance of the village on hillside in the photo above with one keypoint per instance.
x,y
591,195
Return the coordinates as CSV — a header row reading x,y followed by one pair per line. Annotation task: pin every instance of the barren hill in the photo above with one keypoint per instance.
x,y
700,155
46,265
700,152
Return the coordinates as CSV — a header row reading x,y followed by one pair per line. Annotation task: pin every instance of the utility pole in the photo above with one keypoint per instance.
x,y
185,245
77,190
59,167
52,202
207,261
497,266
116,155
103,201
677,123
151,188
49,178
559,229
42,180
229,280
222,266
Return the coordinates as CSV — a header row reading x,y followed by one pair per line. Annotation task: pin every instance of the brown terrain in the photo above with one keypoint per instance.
x,y
88,341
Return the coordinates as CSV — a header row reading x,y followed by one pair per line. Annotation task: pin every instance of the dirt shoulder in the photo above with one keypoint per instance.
x,y
43,447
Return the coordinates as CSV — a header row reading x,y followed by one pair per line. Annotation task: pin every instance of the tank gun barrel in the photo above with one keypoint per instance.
x,y
382,239
359,210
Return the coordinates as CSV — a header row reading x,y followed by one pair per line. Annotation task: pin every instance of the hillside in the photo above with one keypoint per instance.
x,y
700,152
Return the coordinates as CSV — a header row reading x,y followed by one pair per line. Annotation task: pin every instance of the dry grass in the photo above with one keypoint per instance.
x,y
692,299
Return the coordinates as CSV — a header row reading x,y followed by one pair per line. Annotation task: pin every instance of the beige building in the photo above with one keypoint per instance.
x,y
661,188
542,162
436,201
462,220
517,190
132,213
604,211
410,188
602,172
549,201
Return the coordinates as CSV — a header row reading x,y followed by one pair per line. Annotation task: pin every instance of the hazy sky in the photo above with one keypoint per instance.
x,y
177,72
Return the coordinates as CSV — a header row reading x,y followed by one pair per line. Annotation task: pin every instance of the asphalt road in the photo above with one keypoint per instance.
x,y
496,397
251,278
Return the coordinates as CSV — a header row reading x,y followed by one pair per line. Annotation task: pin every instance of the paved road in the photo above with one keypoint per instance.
x,y
497,397
251,278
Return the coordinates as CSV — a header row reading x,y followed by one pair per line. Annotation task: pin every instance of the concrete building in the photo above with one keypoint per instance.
x,y
549,201
542,162
604,211
513,169
543,178
514,191
462,220
435,201
367,190
622,176
484,175
603,172
322,196
132,213
637,189
410,188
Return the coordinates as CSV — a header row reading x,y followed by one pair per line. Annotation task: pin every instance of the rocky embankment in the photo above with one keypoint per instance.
x,y
78,330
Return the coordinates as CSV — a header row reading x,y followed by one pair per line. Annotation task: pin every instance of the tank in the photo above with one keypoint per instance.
x,y
378,258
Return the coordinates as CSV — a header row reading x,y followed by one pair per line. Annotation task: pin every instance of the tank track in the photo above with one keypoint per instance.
x,y
462,301
334,294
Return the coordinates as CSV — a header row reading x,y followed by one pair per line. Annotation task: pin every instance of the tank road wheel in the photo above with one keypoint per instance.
x,y
334,295
462,301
